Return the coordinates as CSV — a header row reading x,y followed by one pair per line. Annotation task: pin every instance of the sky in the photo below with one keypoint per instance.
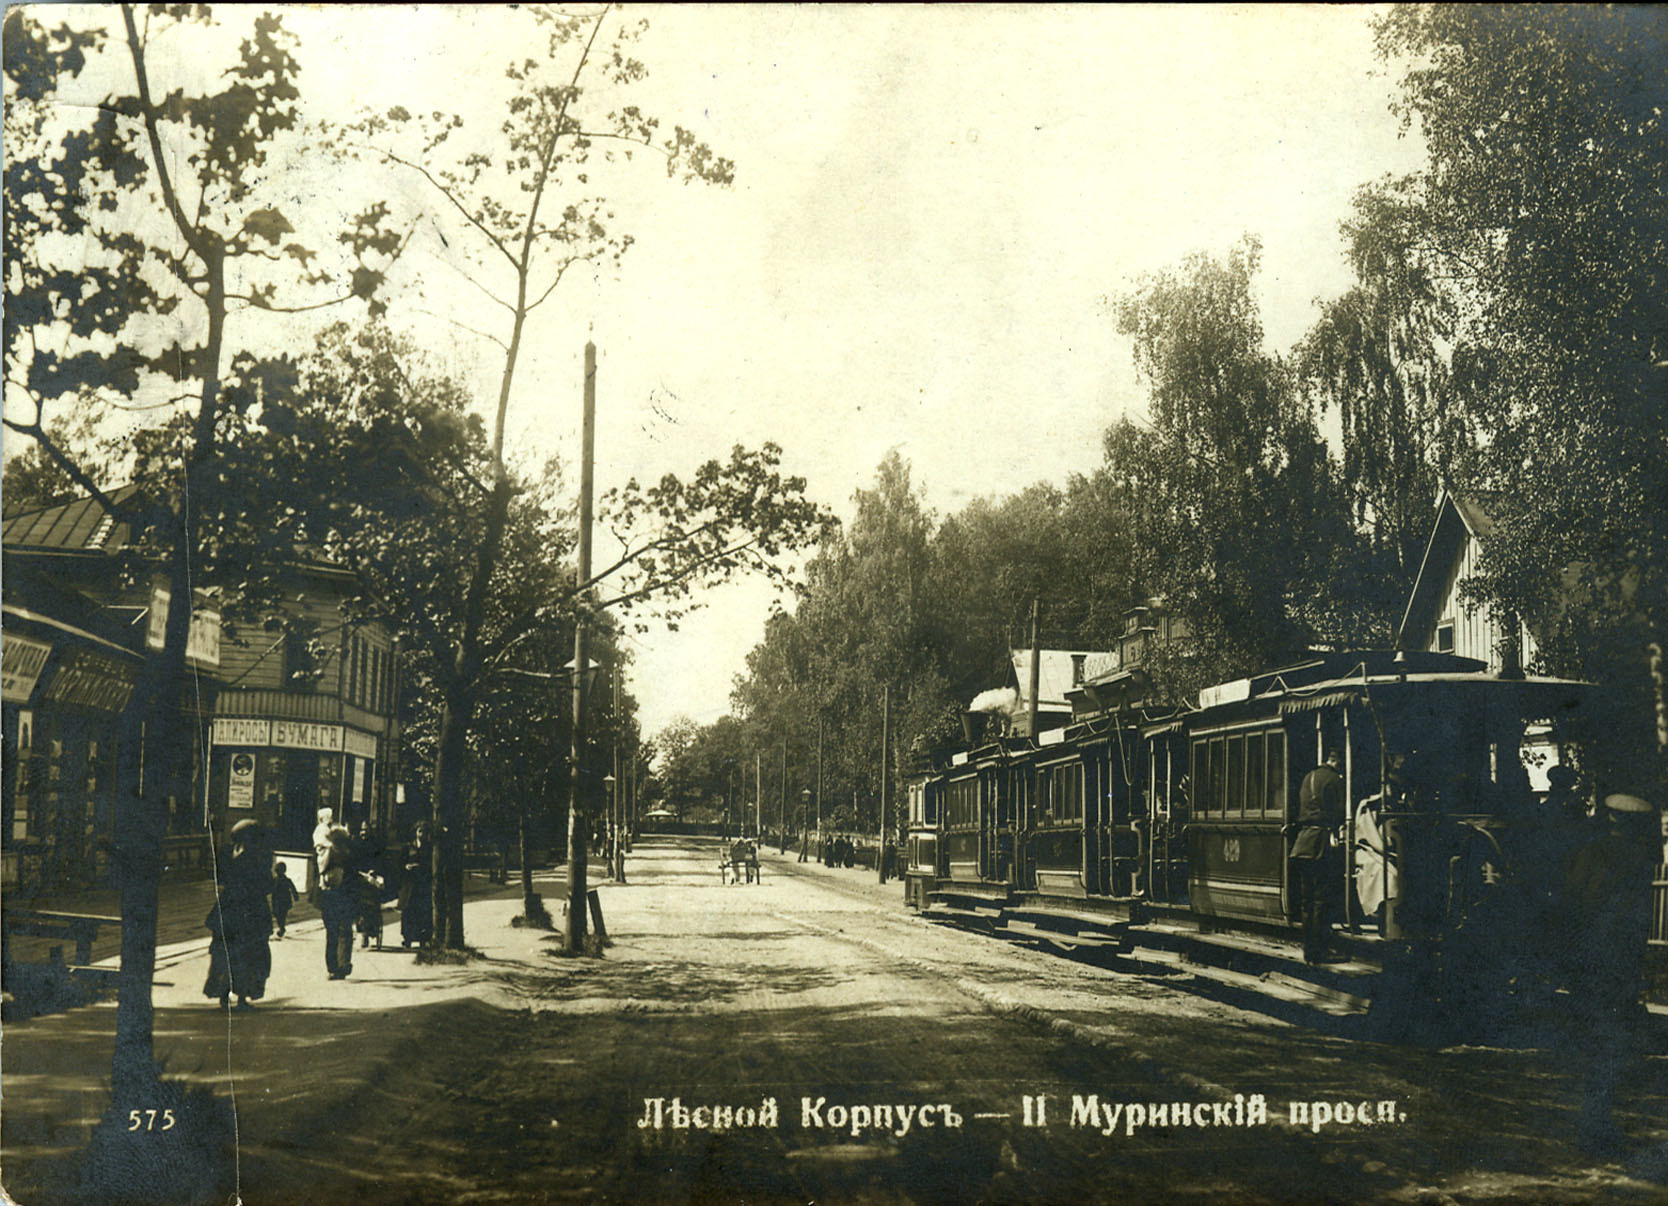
x,y
931,209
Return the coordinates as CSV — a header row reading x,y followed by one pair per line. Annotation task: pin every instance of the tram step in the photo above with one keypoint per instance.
x,y
1078,918
1059,938
1203,947
1346,1000
1284,989
981,919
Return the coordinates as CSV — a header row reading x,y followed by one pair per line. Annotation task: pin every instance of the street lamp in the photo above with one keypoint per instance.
x,y
804,823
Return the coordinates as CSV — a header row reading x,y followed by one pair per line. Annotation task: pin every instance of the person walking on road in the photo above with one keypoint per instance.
x,y
283,896
1320,813
241,922
338,902
367,883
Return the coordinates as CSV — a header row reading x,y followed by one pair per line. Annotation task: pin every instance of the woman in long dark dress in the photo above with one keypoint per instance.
x,y
241,922
416,891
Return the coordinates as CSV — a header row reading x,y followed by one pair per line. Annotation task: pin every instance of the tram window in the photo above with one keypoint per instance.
x,y
1255,791
1076,791
1201,798
1236,776
1276,806
1214,782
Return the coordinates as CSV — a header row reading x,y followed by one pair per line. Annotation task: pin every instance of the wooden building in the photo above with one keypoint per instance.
x,y
1438,619
292,714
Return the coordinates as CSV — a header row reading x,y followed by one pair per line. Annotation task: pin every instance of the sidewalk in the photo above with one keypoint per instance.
x,y
182,906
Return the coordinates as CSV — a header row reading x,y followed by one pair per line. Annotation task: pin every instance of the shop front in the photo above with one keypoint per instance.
x,y
281,772
64,694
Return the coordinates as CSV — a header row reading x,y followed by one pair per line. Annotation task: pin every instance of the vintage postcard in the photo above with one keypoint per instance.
x,y
834,603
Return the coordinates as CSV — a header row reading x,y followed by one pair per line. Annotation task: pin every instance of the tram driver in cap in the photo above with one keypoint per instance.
x,y
1320,814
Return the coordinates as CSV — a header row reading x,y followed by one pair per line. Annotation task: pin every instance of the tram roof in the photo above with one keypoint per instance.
x,y
1336,679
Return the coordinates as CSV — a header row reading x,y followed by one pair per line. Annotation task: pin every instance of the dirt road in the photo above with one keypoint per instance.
x,y
809,1039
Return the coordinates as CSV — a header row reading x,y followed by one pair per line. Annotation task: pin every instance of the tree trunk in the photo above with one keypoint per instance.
x,y
142,818
141,824
529,903
449,822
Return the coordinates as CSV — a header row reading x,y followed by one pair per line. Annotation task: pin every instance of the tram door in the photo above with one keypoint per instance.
x,y
1126,826
1002,837
963,857
1166,801
1024,824
989,793
1097,809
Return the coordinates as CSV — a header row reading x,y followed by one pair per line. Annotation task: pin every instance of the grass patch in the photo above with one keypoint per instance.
x,y
593,947
447,955
535,916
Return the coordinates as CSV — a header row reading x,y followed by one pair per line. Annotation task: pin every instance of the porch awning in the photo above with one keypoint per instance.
x,y
1315,703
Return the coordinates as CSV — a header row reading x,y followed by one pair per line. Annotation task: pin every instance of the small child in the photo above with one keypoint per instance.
x,y
283,896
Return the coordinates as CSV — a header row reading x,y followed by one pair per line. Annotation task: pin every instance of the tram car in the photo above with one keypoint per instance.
x,y
1185,815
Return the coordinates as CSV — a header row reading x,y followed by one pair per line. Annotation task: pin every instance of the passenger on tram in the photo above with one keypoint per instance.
x,y
1377,878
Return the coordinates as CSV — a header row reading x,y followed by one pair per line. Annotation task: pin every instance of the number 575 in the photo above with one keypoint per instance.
x,y
147,1120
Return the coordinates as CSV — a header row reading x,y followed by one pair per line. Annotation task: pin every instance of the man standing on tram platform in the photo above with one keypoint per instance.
x,y
1320,813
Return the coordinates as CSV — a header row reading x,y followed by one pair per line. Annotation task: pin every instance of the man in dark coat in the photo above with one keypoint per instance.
x,y
338,902
1320,812
1607,887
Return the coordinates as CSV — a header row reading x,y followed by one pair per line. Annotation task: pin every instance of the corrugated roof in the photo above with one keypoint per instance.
x,y
82,524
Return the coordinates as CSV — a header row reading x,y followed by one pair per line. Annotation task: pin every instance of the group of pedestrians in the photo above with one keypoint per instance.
x,y
355,875
837,850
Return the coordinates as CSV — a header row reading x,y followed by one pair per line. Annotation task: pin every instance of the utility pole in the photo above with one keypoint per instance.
x,y
885,726
1036,670
578,830
819,777
618,802
758,794
782,837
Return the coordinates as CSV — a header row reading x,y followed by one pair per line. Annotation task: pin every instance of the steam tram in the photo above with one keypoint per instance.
x,y
1183,816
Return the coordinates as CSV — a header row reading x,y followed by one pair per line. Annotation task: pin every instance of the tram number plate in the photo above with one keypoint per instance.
x,y
1230,850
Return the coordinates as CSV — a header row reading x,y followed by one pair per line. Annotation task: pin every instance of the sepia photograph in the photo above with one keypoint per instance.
x,y
834,603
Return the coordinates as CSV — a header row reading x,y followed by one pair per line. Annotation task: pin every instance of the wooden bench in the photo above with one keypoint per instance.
x,y
81,928
496,866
